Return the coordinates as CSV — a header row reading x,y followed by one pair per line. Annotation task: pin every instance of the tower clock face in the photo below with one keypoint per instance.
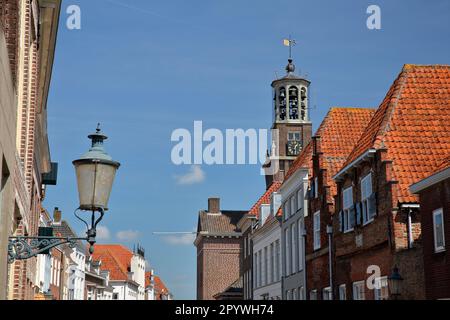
x,y
293,147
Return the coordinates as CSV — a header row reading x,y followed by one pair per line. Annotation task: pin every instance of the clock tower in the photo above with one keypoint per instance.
x,y
291,128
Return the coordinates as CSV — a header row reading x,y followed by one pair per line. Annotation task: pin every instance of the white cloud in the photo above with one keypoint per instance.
x,y
103,233
195,175
127,235
179,239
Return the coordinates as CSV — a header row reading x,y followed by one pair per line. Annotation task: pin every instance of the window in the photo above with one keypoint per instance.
x,y
287,251
317,230
348,216
299,199
381,289
293,206
287,209
342,292
367,199
358,290
293,136
294,247
245,247
277,260
300,245
438,230
288,295
266,266
255,270
272,263
115,296
313,295
301,294
326,293
260,270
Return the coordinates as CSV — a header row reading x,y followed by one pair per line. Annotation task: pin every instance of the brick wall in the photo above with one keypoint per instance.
x,y
9,21
218,265
437,265
383,242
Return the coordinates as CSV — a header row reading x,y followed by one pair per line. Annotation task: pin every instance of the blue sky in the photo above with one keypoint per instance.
x,y
144,68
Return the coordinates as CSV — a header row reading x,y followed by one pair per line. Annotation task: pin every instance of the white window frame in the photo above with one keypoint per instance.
x,y
438,248
359,290
346,207
366,182
313,293
316,230
326,293
342,292
294,134
301,293
381,284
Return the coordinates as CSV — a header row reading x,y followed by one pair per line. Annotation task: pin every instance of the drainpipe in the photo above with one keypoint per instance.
x,y
410,237
330,258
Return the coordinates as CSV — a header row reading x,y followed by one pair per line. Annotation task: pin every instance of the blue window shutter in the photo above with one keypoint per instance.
x,y
358,213
341,221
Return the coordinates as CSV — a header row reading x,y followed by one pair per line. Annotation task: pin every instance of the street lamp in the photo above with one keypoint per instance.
x,y
395,283
95,172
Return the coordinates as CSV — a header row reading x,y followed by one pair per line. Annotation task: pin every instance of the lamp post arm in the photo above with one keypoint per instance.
x,y
21,248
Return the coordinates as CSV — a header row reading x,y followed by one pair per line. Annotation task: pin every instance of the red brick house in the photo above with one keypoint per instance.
x,y
377,222
333,142
434,195
219,246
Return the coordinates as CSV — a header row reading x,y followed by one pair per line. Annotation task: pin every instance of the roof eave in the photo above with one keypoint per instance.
x,y
368,154
430,181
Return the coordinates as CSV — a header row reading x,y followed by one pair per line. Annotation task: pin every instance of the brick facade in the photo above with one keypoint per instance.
x,y
436,262
31,159
218,265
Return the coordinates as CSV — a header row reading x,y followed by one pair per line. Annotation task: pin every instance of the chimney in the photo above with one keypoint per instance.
x,y
264,213
214,205
57,216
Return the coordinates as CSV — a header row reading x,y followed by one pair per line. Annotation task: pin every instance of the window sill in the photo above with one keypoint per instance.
x,y
368,222
439,250
349,230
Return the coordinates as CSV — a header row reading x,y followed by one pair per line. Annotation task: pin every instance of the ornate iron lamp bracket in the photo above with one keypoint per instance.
x,y
23,247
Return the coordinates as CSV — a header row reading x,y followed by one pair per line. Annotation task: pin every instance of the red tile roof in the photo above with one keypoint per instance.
x,y
412,123
265,199
148,274
160,288
338,132
342,128
115,258
442,166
